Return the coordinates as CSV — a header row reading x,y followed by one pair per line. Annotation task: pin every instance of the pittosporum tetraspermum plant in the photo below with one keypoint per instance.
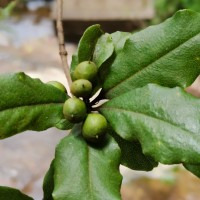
x,y
140,114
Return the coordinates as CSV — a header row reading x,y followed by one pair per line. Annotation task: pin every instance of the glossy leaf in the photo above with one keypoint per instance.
x,y
164,120
86,46
167,54
103,49
100,51
86,172
73,65
87,42
48,183
195,169
132,155
29,104
119,39
7,193
63,124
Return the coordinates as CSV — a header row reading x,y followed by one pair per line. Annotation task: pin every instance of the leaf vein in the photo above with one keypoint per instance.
x,y
154,117
89,174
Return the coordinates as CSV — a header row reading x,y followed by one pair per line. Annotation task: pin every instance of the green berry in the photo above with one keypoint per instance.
x,y
58,85
74,110
94,127
81,88
85,70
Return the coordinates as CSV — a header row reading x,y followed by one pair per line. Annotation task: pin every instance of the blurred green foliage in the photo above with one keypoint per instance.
x,y
191,4
15,7
6,12
166,8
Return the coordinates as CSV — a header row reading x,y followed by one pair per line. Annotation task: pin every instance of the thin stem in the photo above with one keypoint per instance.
x,y
61,41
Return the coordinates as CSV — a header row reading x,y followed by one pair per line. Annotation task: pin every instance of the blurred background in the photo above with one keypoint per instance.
x,y
28,43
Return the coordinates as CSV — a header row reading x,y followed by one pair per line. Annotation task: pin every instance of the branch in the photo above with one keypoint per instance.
x,y
61,40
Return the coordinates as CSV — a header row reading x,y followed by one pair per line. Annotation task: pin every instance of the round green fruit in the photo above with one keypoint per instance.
x,y
85,70
74,110
58,85
94,127
81,88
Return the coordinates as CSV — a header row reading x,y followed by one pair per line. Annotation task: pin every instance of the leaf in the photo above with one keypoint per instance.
x,y
6,8
193,4
167,54
86,172
164,120
48,183
86,46
103,49
63,124
74,63
7,193
98,47
119,39
29,104
87,42
132,155
195,169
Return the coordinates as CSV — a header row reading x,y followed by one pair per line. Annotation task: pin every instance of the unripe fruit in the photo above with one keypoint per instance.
x,y
58,85
94,127
74,110
81,88
85,70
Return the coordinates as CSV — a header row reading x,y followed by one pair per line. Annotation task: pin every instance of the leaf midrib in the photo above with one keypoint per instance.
x,y
150,64
149,116
89,173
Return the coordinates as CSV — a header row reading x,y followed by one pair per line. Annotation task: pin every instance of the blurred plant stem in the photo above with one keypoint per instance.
x,y
61,40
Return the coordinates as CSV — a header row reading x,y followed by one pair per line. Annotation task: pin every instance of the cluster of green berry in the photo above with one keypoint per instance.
x,y
76,110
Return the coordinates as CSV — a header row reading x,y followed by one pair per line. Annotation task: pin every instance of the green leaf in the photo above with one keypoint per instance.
x,y
192,4
195,169
119,39
29,104
48,183
103,49
8,7
132,155
87,42
86,46
164,120
167,54
7,193
86,172
63,124
74,63
98,47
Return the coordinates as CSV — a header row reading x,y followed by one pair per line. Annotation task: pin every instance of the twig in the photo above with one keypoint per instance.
x,y
61,40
